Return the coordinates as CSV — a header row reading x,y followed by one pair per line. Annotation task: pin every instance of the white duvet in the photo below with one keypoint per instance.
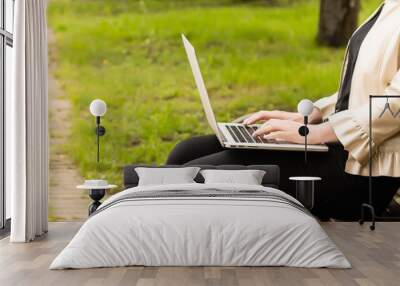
x,y
200,231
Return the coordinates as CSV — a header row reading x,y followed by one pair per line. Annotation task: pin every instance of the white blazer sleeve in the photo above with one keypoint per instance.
x,y
327,105
352,126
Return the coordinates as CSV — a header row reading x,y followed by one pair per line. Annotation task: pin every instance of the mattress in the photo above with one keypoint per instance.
x,y
201,225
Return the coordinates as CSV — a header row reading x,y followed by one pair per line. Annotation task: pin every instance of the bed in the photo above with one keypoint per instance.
x,y
198,224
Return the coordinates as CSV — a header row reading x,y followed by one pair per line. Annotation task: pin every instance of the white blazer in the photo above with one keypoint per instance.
x,y
377,72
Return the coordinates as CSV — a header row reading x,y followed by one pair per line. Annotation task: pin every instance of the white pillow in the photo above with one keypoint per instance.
x,y
165,176
248,177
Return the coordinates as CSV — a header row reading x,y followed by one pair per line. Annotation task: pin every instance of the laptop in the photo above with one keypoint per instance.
x,y
236,135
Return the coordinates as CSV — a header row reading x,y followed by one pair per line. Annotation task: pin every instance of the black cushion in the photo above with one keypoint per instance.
x,y
270,179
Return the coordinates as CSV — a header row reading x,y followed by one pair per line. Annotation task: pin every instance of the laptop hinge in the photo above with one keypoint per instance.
x,y
221,136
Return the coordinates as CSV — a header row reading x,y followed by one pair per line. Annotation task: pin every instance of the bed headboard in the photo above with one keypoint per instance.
x,y
271,177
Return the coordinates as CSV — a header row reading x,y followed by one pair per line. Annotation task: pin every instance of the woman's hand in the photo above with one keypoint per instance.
x,y
314,118
275,114
287,130
280,130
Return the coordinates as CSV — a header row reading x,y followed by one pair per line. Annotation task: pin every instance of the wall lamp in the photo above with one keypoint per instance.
x,y
98,108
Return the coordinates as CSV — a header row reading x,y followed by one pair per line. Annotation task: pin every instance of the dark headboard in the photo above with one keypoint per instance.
x,y
271,177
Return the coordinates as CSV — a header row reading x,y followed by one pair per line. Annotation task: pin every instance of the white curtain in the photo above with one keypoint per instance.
x,y
27,123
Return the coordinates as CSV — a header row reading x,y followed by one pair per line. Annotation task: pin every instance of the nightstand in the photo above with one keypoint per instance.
x,y
305,190
97,190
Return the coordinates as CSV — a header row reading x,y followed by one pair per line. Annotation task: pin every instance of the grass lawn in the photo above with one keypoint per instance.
x,y
129,53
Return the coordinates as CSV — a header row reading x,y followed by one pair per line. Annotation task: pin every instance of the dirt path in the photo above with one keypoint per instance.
x,y
65,202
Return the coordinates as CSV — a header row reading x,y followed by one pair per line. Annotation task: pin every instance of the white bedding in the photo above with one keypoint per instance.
x,y
200,231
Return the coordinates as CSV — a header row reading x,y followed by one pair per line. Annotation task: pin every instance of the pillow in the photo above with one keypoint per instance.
x,y
165,176
248,177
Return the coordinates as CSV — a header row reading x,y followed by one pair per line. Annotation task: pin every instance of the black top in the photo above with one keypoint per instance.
x,y
352,54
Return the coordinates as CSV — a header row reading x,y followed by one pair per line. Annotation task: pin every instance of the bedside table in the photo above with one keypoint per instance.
x,y
305,190
96,193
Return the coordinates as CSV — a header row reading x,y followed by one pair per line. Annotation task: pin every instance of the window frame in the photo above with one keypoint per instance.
x,y
6,39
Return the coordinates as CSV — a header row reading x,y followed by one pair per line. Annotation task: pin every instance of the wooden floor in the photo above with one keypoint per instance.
x,y
375,257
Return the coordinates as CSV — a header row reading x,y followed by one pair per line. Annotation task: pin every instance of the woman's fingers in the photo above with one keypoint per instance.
x,y
274,114
279,136
265,115
271,126
261,115
280,130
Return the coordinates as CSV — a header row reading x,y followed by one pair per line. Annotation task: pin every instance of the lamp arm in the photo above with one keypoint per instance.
x,y
305,138
303,131
305,142
98,137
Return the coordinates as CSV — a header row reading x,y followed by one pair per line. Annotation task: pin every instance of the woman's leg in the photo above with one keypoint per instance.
x,y
346,205
338,195
193,148
291,164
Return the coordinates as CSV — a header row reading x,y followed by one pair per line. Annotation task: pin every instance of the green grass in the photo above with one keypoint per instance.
x,y
129,53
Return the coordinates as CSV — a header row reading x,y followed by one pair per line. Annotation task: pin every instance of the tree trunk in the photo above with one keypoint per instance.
x,y
337,21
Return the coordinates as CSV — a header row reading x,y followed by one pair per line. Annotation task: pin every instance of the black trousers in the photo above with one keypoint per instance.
x,y
339,195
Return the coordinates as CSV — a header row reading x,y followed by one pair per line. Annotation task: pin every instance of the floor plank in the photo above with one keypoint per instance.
x,y
375,257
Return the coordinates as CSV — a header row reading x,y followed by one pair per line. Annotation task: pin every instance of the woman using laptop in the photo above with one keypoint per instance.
x,y
372,66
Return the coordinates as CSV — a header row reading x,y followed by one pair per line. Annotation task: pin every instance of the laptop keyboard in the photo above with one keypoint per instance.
x,y
242,134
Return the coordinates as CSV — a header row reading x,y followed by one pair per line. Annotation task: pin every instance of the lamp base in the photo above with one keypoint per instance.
x,y
303,130
100,130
